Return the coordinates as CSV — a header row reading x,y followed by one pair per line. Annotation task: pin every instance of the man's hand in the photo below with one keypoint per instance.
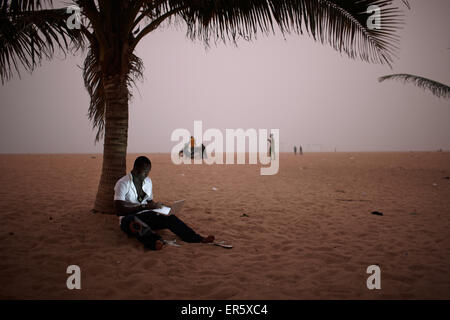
x,y
154,205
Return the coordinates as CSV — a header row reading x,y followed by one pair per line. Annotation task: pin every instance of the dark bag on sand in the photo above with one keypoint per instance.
x,y
135,227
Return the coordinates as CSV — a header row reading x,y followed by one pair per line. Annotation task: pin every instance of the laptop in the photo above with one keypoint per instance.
x,y
174,209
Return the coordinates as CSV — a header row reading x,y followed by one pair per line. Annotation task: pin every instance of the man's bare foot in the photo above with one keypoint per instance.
x,y
208,239
158,245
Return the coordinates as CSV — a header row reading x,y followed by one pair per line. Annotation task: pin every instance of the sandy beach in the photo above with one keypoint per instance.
x,y
305,233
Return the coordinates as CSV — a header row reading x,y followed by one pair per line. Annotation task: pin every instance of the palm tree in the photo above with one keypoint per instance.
x,y
113,28
438,89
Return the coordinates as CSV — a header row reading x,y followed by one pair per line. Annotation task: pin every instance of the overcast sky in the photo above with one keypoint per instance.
x,y
312,94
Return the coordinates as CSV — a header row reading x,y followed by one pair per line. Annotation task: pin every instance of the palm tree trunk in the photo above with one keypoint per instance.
x,y
115,141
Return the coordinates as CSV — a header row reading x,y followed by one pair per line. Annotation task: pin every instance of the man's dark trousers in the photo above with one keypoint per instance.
x,y
158,222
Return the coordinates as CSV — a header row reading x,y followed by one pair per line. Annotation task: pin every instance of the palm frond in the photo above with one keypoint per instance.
x,y
24,5
406,2
438,89
93,81
29,33
339,23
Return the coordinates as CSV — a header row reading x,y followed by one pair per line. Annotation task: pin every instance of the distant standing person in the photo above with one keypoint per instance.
x,y
203,151
295,150
192,147
300,150
271,146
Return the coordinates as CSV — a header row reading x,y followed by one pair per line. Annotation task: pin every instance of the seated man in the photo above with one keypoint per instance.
x,y
133,202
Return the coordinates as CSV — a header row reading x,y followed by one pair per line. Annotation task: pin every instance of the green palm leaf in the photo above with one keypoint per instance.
x,y
28,33
93,81
339,23
406,2
438,89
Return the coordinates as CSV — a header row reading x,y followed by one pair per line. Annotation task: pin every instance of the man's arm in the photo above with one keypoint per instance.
x,y
124,208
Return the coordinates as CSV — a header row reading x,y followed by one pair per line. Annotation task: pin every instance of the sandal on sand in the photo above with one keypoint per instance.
x,y
172,243
222,244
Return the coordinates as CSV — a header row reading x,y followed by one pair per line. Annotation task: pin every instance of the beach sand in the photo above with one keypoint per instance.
x,y
307,232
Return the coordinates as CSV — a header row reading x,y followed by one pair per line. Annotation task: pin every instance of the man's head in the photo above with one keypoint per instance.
x,y
141,167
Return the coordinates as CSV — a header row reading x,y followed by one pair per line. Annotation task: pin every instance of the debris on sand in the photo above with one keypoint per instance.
x,y
351,200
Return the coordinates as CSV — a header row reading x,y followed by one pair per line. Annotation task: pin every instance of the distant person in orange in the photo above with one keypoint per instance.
x,y
192,147
300,150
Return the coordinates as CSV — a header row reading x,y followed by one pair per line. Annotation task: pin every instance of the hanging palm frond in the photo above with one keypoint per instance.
x,y
93,81
15,6
342,24
438,89
406,2
29,33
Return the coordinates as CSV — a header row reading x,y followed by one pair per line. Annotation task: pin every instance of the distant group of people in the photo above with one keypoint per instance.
x,y
190,148
300,150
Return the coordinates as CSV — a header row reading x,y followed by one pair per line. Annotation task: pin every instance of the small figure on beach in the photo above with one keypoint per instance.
x,y
295,150
192,147
300,150
203,151
133,202
185,151
271,146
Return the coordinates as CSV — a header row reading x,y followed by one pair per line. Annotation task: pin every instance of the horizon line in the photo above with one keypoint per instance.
x,y
281,152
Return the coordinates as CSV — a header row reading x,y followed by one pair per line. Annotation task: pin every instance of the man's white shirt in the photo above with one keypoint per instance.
x,y
126,191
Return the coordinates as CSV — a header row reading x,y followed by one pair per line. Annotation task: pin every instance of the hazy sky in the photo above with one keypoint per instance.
x,y
312,94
